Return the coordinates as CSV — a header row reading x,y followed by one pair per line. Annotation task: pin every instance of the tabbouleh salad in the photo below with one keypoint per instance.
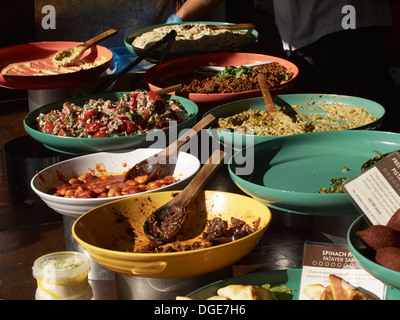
x,y
134,113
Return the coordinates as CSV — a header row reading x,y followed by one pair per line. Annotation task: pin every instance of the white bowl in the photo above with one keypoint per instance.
x,y
114,163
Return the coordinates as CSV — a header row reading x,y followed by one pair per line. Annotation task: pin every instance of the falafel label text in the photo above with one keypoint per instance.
x,y
376,192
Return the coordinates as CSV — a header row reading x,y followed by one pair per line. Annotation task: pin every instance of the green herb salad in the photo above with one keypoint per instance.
x,y
136,112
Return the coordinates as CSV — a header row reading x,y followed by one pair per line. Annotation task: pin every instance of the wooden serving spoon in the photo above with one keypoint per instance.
x,y
163,163
72,55
269,103
166,222
238,26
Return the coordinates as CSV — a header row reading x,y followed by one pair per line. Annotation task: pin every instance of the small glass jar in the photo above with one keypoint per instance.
x,y
62,276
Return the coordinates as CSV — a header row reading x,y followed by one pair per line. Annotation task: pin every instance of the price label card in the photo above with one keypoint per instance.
x,y
376,191
322,259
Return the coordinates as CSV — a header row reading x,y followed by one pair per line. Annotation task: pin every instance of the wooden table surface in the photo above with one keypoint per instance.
x,y
29,229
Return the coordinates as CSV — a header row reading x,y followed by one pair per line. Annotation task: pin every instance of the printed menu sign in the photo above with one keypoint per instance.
x,y
377,190
322,259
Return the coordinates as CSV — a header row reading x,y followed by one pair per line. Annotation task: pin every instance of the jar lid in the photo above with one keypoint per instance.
x,y
63,265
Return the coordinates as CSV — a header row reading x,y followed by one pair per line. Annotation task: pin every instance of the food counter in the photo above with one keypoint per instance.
x,y
30,229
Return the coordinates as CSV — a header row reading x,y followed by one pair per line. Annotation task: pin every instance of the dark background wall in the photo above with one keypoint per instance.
x,y
17,22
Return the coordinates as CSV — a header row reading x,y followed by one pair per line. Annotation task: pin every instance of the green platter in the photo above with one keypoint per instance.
x,y
81,146
309,104
290,277
284,173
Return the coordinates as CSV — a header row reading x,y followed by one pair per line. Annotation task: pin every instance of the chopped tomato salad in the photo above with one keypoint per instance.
x,y
135,113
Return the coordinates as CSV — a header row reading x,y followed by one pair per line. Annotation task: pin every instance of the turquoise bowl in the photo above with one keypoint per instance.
x,y
284,173
365,255
81,146
307,102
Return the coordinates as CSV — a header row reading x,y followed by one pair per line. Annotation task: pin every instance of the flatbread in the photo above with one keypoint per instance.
x,y
242,292
338,289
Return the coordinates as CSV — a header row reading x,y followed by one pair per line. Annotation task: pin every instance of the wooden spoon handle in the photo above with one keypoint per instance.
x,y
169,89
238,26
100,37
176,145
201,178
269,103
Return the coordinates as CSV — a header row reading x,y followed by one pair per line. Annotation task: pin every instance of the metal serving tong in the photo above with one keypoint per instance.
x,y
168,39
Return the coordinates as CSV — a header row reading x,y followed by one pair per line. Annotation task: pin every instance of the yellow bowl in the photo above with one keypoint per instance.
x,y
106,234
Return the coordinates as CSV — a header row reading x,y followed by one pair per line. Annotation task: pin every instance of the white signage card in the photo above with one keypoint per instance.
x,y
376,191
322,259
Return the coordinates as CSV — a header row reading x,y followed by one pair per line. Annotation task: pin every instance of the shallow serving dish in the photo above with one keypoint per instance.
x,y
44,52
80,146
113,163
108,241
284,173
289,277
157,54
365,255
307,101
173,71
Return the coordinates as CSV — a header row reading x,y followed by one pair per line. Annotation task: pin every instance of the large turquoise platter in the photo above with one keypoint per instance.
x,y
307,103
285,173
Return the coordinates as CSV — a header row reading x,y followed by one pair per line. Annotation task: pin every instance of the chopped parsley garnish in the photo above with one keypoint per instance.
x,y
236,72
335,187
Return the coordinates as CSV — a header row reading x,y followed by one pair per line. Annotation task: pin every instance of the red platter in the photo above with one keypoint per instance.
x,y
174,71
40,54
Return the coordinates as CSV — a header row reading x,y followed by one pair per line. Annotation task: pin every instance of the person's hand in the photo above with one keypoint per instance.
x,y
173,19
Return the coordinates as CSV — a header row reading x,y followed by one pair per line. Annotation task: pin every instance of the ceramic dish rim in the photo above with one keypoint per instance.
x,y
166,254
66,201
